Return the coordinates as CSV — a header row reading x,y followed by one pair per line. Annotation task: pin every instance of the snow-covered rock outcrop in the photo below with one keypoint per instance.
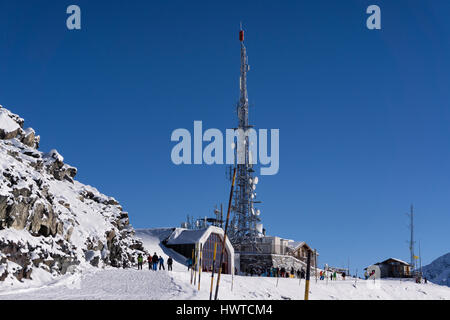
x,y
48,220
439,270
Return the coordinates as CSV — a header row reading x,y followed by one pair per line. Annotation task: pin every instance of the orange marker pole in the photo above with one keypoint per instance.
x,y
225,235
212,273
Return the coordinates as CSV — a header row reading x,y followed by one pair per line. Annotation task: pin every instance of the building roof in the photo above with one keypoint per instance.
x,y
185,236
189,236
392,259
396,260
296,244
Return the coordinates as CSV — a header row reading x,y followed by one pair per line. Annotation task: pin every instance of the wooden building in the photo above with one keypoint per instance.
x,y
394,268
299,250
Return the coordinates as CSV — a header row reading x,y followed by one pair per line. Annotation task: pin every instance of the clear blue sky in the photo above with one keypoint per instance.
x,y
363,115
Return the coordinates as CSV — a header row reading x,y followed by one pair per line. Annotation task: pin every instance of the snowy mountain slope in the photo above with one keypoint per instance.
x,y
439,270
124,284
49,221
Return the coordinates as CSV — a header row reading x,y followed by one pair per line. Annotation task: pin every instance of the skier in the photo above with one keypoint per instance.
x,y
189,264
161,263
140,260
169,264
298,274
149,260
321,275
343,276
335,275
366,275
283,272
155,260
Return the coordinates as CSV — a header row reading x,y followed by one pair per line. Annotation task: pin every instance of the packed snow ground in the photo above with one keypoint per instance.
x,y
110,283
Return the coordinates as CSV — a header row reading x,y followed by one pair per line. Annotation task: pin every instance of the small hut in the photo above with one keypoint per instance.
x,y
184,241
394,268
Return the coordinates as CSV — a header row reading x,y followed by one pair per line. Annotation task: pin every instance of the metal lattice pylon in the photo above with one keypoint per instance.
x,y
245,219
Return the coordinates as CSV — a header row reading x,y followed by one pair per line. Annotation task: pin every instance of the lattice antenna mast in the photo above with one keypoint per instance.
x,y
411,241
245,217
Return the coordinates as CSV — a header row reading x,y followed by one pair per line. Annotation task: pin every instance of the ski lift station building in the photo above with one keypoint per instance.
x,y
184,241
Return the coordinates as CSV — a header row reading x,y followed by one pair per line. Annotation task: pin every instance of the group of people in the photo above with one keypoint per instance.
x,y
367,275
332,276
154,261
419,279
283,273
276,272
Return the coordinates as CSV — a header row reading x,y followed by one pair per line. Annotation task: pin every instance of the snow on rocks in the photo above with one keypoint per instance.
x,y
438,271
49,221
8,127
29,137
11,126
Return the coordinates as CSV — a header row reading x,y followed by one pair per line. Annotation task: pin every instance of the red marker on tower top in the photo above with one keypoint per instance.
x,y
241,33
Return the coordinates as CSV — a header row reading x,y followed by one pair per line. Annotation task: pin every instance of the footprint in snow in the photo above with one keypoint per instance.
x,y
423,292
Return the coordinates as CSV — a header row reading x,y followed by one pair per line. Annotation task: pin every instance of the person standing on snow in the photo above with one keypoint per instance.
x,y
334,276
169,264
189,264
149,260
274,272
161,263
155,260
140,260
